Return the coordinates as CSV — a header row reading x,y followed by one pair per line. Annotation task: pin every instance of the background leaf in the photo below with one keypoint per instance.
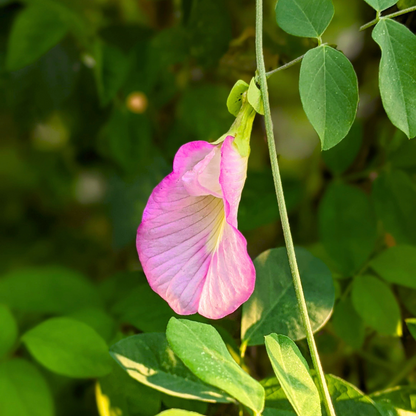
x,y
273,305
375,303
328,89
397,265
24,391
47,289
203,351
402,398
35,30
394,195
68,347
292,371
397,74
149,359
8,330
347,226
411,324
304,18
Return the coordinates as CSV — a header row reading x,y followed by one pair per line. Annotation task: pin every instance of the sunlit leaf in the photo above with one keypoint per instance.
x,y
292,371
148,359
203,351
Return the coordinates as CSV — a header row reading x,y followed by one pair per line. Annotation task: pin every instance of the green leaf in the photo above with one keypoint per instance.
x,y
110,71
234,99
119,391
184,404
411,324
148,359
397,76
339,158
401,398
381,5
397,265
178,412
375,303
24,391
328,89
273,305
48,290
68,347
347,399
8,330
35,30
209,31
404,4
292,371
203,351
394,195
347,324
304,18
347,226
254,97
144,309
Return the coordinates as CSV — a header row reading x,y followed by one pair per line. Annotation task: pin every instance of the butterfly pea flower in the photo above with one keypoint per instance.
x,y
190,248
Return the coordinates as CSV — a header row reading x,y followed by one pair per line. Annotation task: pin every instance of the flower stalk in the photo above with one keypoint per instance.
x,y
262,77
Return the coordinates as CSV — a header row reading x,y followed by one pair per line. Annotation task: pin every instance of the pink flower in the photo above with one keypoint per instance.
x,y
189,246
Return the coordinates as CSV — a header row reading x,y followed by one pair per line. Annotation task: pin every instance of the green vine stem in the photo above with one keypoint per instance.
x,y
283,213
389,16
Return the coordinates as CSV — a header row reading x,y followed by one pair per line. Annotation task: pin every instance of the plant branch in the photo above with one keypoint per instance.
x,y
389,16
285,66
283,213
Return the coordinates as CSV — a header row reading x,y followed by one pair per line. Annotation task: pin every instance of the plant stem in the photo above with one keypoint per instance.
x,y
283,213
285,66
389,16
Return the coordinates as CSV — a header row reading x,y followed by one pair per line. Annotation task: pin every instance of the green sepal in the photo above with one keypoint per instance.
x,y
234,100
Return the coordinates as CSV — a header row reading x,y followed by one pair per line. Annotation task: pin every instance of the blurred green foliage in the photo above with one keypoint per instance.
x,y
95,98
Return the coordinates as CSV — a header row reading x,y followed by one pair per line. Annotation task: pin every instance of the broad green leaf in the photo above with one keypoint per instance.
x,y
149,359
381,5
97,319
347,399
35,30
347,324
347,226
394,195
304,18
144,309
209,31
401,398
411,324
203,351
184,404
328,89
375,303
110,71
24,391
292,371
178,412
340,158
397,265
8,330
254,97
273,306
48,290
397,76
119,391
68,347
234,99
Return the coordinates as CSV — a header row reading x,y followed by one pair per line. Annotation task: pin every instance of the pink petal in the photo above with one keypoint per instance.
x,y
188,244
